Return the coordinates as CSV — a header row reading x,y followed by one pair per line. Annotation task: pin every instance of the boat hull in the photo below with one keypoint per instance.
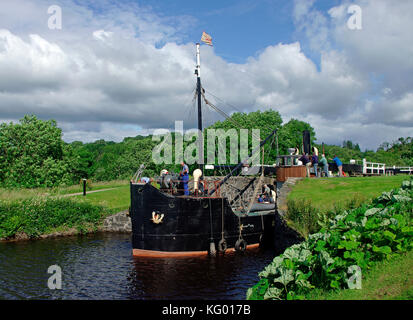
x,y
190,224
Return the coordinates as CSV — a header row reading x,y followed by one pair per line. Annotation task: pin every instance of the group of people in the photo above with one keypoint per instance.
x,y
268,195
315,163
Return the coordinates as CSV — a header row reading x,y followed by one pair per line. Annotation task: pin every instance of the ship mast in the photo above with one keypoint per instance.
x,y
198,89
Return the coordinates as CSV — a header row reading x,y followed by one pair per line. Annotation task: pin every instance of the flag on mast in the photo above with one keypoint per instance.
x,y
206,38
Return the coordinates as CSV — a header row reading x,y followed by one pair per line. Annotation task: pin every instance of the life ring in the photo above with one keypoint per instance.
x,y
240,245
222,245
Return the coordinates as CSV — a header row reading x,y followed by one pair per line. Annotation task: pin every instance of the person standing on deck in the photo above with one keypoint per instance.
x,y
324,163
184,174
145,180
273,196
314,161
306,162
267,190
339,165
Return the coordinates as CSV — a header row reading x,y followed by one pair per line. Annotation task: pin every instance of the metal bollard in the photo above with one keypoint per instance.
x,y
84,187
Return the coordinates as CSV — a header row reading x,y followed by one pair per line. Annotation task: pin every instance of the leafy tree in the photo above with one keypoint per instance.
x,y
32,154
266,121
291,135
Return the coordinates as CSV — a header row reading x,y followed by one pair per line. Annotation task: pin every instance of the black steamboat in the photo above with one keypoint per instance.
x,y
168,223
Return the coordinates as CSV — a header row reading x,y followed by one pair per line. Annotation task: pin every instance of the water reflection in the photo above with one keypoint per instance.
x,y
101,266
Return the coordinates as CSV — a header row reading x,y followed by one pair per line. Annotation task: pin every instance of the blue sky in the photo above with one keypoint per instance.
x,y
240,28
123,68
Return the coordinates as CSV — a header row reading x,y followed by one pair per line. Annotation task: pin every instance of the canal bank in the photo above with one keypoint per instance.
x,y
119,223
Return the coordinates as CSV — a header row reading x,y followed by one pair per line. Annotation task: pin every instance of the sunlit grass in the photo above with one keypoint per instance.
x,y
15,194
115,200
330,193
387,280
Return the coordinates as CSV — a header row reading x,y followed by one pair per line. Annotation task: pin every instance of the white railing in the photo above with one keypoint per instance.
x,y
373,167
408,170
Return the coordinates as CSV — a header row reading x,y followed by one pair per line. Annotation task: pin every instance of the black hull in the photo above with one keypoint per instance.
x,y
186,225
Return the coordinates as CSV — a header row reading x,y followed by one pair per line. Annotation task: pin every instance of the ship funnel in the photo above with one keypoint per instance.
x,y
306,142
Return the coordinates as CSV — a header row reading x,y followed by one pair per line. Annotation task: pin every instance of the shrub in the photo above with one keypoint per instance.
x,y
304,216
38,216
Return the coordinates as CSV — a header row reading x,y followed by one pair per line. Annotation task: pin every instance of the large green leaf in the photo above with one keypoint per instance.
x,y
286,276
273,293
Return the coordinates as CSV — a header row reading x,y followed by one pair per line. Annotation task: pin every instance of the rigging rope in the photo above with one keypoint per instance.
x,y
226,116
259,185
232,106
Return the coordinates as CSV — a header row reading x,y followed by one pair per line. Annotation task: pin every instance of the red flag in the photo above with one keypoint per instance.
x,y
206,38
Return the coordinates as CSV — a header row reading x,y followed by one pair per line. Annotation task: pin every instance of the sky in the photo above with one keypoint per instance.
x,y
116,69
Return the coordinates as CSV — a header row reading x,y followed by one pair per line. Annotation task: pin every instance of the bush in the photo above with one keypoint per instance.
x,y
38,216
307,219
303,215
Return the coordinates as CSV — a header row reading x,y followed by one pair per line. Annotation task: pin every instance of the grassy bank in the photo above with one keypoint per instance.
x,y
316,200
391,280
31,218
114,200
31,213
19,194
356,239
331,193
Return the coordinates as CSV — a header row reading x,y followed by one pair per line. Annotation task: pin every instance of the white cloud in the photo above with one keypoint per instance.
x,y
125,71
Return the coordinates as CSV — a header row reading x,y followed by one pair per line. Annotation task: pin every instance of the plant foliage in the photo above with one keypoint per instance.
x,y
37,216
358,237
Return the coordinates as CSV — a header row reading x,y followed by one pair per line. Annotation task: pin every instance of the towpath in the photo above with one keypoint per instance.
x,y
87,192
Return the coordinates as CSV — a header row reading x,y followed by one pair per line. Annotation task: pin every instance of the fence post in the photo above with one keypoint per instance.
x,y
84,187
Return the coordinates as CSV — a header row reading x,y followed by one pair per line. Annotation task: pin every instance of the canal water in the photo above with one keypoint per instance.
x,y
101,266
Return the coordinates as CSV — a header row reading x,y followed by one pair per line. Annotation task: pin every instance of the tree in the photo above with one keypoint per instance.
x,y
266,121
291,135
32,154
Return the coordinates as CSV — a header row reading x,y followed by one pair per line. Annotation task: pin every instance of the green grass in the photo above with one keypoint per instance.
x,y
115,200
387,280
92,187
36,212
376,237
20,194
44,215
330,193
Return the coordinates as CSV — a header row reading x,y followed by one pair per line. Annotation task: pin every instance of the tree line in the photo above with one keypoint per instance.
x,y
33,153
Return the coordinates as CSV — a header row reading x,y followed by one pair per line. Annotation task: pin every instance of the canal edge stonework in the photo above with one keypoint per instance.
x,y
119,222
284,188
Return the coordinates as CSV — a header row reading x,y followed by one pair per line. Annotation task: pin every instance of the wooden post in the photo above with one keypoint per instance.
x,y
84,187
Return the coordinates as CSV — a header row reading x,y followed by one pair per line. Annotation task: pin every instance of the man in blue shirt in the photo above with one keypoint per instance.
x,y
339,165
185,177
145,179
